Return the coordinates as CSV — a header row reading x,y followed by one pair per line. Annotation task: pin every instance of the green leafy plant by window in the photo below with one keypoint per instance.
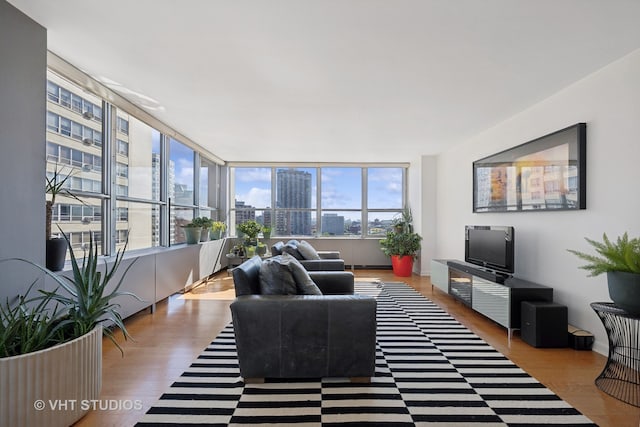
x,y
401,240
250,228
218,226
203,222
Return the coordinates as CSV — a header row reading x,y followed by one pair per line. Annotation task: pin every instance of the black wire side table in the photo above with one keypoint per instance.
x,y
620,377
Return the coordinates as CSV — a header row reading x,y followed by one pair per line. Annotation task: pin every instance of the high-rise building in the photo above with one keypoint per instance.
x,y
244,212
74,147
293,191
332,224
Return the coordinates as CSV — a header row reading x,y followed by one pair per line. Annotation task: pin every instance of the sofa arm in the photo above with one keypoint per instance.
x,y
323,264
333,282
329,254
305,336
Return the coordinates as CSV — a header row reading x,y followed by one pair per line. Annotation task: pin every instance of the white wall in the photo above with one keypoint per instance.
x,y
428,220
609,102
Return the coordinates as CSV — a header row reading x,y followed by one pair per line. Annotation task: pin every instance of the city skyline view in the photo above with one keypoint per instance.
x,y
341,200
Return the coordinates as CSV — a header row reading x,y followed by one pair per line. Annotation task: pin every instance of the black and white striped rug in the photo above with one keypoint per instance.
x,y
429,370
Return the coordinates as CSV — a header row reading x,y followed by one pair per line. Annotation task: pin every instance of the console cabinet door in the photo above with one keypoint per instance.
x,y
440,275
492,300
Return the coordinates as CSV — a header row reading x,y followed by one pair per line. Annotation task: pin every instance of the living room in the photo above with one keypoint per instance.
x,y
605,95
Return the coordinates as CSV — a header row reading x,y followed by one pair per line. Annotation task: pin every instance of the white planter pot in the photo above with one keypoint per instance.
x,y
47,387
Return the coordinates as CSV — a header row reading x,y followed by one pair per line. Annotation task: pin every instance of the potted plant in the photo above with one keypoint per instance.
x,y
250,228
402,244
56,247
404,222
620,260
261,249
217,229
266,232
192,233
60,332
205,224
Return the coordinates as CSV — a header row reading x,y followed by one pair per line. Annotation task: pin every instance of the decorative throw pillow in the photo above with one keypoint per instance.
x,y
291,248
304,283
276,278
307,251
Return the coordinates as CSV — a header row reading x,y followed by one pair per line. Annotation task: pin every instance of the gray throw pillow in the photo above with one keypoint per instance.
x,y
292,249
307,251
304,283
276,278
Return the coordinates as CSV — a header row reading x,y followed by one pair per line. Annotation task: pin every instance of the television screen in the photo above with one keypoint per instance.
x,y
490,246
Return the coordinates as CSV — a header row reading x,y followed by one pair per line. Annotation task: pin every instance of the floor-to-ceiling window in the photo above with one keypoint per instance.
x,y
332,200
129,182
74,149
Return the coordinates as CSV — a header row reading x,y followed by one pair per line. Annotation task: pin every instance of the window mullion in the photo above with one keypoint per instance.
x,y
108,179
364,214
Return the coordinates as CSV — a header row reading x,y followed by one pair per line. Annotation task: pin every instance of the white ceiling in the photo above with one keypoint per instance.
x,y
336,80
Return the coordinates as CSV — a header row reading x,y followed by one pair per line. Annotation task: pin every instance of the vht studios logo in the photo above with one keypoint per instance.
x,y
85,405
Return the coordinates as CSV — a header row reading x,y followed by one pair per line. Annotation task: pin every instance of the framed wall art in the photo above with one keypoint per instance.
x,y
548,173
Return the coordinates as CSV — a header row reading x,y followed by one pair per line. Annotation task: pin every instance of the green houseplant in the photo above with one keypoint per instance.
x,y
620,260
402,244
250,228
56,248
205,224
266,232
192,233
59,331
217,230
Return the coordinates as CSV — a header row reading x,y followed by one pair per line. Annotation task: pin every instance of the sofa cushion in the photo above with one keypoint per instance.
x,y
307,251
291,248
304,284
276,277
276,249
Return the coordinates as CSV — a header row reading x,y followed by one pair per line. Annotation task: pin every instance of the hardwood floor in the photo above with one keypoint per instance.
x,y
167,341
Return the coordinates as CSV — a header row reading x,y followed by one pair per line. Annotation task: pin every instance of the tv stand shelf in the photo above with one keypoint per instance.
x,y
491,294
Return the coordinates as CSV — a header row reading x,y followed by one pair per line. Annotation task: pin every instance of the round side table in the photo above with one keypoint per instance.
x,y
620,377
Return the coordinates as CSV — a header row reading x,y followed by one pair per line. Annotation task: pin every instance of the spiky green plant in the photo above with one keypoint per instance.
x,y
621,255
83,301
56,185
88,300
26,327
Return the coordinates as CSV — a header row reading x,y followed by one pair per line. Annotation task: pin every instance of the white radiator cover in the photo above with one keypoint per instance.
x,y
63,375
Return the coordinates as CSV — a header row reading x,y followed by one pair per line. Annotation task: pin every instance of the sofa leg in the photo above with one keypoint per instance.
x,y
254,380
360,380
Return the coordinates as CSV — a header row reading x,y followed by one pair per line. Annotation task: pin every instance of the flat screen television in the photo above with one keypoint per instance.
x,y
490,246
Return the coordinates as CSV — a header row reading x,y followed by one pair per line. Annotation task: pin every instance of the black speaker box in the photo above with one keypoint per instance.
x,y
544,324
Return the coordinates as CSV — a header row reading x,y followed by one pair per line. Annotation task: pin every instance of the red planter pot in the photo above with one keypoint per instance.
x,y
402,266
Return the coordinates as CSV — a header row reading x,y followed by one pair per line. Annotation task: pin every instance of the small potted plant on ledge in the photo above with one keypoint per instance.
x,y
56,247
217,230
192,233
266,232
402,245
205,224
620,260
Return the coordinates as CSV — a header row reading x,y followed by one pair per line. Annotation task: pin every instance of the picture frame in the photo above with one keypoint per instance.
x,y
547,173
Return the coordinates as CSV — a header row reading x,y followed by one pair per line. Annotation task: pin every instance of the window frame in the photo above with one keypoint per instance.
x,y
318,210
